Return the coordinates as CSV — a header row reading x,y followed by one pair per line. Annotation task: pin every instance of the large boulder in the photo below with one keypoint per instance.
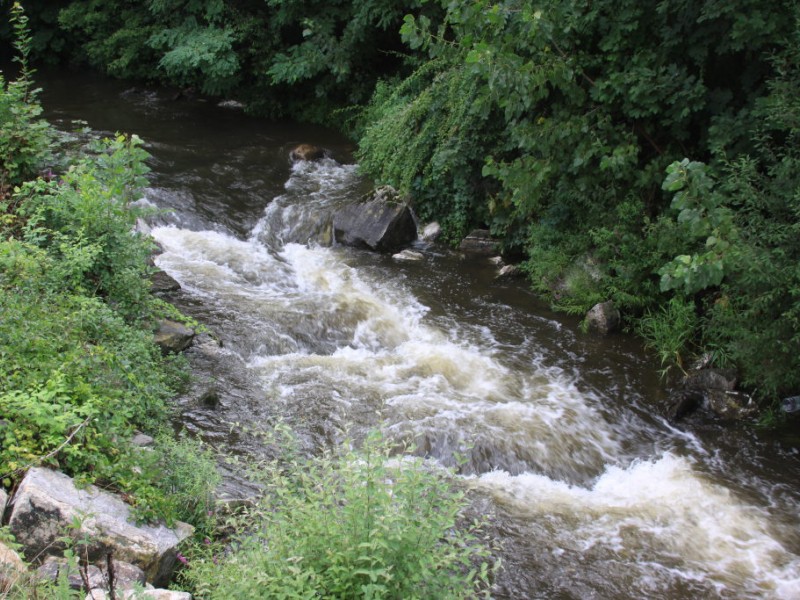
x,y
603,318
385,223
172,337
47,504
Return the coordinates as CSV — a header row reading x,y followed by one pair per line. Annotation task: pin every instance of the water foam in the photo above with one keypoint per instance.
x,y
663,519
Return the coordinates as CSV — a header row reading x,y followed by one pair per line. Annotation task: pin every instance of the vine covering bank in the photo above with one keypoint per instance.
x,y
646,153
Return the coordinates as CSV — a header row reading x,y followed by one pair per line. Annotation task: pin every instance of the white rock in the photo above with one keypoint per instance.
x,y
47,502
431,232
3,502
409,255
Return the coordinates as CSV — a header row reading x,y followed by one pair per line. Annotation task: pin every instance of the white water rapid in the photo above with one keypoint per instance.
x,y
603,508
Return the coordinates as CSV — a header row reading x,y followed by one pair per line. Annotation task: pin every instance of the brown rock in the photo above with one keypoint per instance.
x,y
307,152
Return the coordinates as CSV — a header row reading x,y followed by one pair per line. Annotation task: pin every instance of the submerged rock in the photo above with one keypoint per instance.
x,y
509,272
385,223
307,152
603,318
47,504
409,256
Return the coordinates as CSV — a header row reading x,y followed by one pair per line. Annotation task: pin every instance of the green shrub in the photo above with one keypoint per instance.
x,y
25,138
350,525
671,331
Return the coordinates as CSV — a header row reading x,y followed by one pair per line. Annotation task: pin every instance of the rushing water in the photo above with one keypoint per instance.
x,y
558,433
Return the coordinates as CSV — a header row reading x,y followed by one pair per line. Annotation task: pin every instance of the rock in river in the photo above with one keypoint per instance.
x,y
385,223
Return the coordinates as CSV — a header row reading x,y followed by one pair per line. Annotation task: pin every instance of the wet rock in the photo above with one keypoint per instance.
x,y
479,241
12,568
142,227
54,567
711,379
791,404
509,272
409,256
172,337
385,223
162,283
497,261
234,104
431,232
307,152
713,390
603,318
683,402
730,405
47,503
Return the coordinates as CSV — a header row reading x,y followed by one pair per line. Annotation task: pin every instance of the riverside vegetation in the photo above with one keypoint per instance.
x,y
80,374
644,153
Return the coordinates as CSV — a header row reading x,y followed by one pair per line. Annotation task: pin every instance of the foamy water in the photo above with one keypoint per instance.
x,y
344,346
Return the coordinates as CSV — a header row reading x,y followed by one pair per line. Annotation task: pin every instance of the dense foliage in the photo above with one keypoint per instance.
x,y
554,123
79,371
642,152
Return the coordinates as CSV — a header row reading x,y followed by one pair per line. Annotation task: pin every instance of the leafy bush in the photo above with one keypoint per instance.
x,y
24,137
350,525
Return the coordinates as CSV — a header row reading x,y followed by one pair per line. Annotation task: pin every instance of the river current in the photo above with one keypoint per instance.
x,y
558,434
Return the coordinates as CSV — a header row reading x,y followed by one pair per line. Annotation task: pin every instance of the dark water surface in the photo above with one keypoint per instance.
x,y
594,494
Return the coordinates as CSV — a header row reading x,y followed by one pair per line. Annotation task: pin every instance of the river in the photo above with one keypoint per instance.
x,y
592,493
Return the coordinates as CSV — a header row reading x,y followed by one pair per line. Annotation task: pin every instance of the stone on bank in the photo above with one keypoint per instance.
x,y
47,503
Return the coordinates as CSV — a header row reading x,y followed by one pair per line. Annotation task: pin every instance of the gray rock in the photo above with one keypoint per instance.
x,y
479,241
142,227
431,232
307,152
172,336
53,567
711,379
161,283
731,406
142,440
3,502
47,502
603,318
12,568
409,256
497,261
126,575
385,223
